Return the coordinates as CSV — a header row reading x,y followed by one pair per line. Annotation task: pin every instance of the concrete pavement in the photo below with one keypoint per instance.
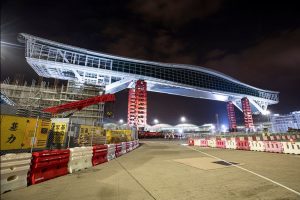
x,y
168,170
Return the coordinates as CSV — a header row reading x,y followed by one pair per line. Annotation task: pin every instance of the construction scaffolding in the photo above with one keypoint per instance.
x,y
42,96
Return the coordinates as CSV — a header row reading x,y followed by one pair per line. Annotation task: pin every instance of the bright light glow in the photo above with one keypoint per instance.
x,y
223,128
121,121
267,112
213,127
180,131
155,121
182,119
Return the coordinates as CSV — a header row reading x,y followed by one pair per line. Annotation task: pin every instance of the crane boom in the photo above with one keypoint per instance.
x,y
78,105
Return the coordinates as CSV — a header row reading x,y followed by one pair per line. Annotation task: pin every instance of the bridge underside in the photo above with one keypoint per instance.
x,y
72,72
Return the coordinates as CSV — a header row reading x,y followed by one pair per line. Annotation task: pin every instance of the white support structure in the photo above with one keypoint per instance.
x,y
55,60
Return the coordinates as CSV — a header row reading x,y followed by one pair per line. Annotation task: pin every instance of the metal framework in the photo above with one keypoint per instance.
x,y
55,60
247,114
231,117
78,105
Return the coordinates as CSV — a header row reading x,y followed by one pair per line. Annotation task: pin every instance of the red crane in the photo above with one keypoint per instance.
x,y
78,105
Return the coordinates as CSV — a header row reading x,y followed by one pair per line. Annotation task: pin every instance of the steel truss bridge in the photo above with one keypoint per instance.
x,y
56,60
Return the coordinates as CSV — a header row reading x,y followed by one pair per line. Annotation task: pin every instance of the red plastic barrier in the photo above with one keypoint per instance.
x,y
272,146
99,154
129,146
118,150
243,145
203,143
221,144
48,164
191,142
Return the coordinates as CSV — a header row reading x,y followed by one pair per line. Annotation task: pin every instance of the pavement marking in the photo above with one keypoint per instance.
x,y
249,171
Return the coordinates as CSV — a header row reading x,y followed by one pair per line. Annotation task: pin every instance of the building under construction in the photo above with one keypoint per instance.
x,y
40,96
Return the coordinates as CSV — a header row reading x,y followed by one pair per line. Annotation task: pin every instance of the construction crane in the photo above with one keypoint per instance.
x,y
79,105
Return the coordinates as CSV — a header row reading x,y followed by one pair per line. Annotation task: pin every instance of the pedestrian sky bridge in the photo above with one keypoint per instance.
x,y
55,60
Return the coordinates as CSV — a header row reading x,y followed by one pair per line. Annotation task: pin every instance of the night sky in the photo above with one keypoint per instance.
x,y
256,42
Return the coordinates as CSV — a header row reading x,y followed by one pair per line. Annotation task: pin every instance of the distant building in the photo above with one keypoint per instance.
x,y
281,123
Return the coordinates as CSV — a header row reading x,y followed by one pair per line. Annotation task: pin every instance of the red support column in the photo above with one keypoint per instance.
x,y
247,113
137,105
231,117
141,103
131,107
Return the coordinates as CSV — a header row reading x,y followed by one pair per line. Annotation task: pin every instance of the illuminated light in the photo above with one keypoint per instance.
x,y
267,112
213,127
121,121
182,119
155,121
180,131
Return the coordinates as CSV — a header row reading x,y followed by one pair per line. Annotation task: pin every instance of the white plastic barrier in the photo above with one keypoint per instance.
x,y
80,158
257,146
292,148
14,169
123,144
111,151
197,142
230,144
212,143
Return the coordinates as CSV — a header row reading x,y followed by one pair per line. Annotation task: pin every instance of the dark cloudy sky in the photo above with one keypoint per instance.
x,y
256,42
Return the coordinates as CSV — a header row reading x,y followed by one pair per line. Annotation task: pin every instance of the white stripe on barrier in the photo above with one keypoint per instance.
x,y
14,169
80,158
111,151
257,146
291,148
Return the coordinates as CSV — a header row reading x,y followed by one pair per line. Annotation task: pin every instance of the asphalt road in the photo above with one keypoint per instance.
x,y
169,170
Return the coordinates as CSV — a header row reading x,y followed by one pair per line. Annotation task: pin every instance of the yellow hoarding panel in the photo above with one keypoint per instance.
x,y
12,132
18,132
60,130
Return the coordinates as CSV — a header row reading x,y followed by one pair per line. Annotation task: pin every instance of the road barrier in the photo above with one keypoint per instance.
x,y
212,143
221,144
136,144
129,146
230,144
257,146
197,142
274,147
291,147
14,169
123,144
99,154
80,158
203,143
111,151
48,164
118,149
242,145
191,142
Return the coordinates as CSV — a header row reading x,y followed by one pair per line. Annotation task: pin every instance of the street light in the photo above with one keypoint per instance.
x,y
155,121
121,121
182,119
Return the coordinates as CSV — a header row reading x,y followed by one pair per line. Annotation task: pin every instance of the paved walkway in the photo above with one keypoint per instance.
x,y
167,170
